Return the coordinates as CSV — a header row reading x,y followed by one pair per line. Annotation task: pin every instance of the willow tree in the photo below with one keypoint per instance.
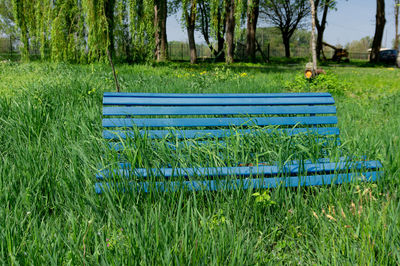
x,y
212,24
141,18
7,21
43,19
225,17
21,19
98,40
66,31
122,36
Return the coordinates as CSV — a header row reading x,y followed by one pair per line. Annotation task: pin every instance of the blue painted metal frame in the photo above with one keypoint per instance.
x,y
252,183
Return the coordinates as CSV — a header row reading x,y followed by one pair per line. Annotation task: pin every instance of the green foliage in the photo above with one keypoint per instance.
x,y
7,21
263,199
329,82
361,45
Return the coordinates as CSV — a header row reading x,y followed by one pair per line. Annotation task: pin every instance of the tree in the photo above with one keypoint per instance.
x,y
379,28
160,27
7,22
19,7
252,18
286,15
189,12
361,45
230,30
313,46
322,6
212,22
396,22
109,6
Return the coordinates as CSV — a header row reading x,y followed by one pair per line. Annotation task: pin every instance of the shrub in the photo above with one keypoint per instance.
x,y
323,82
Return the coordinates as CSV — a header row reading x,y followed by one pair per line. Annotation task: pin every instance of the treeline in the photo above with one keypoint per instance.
x,y
136,30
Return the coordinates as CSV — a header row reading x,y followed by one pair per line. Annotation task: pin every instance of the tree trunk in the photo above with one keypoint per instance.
x,y
396,22
219,51
379,28
190,25
252,17
321,27
313,47
109,10
286,43
160,25
230,31
192,45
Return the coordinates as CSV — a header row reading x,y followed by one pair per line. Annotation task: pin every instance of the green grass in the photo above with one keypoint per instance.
x,y
51,145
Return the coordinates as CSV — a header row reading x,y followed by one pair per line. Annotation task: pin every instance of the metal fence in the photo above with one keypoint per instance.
x,y
9,49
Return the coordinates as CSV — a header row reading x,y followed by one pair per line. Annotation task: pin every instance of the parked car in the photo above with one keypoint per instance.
x,y
388,56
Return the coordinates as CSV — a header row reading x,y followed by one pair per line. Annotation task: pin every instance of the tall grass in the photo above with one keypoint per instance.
x,y
51,146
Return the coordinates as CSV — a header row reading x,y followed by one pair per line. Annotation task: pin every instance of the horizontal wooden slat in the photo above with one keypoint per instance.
x,y
216,95
254,183
216,133
218,110
216,101
219,122
243,171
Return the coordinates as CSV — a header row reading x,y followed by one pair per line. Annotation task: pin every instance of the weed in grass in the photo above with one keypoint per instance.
x,y
328,82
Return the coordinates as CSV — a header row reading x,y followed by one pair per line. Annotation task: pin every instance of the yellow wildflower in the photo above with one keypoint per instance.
x,y
243,74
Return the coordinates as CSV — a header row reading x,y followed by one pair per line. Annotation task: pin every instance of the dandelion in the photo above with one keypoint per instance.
x,y
203,73
243,74
330,217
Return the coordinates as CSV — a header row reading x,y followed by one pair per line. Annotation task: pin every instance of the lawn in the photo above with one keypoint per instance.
x,y
51,146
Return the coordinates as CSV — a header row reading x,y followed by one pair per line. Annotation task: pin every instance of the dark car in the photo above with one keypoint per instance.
x,y
388,56
398,60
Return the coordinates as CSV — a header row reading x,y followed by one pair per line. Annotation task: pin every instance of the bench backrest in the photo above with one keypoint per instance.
x,y
198,115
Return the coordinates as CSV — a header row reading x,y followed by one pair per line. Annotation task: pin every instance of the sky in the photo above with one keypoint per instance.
x,y
353,20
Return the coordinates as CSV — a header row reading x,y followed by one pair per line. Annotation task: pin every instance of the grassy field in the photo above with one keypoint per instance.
x,y
51,145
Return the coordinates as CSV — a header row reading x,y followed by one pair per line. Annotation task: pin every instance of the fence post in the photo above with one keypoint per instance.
x,y
11,48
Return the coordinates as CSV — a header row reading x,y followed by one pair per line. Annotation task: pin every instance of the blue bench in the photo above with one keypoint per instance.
x,y
193,116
